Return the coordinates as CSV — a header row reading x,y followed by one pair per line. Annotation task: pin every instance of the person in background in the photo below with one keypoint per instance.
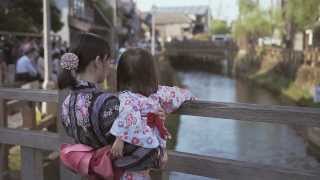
x,y
55,66
40,63
26,70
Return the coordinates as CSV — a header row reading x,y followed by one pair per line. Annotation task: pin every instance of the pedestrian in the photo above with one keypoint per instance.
x,y
26,70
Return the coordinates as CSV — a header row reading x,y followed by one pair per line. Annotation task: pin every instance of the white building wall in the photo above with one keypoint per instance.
x,y
172,31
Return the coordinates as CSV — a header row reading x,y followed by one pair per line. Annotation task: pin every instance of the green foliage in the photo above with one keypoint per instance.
x,y
255,21
246,6
219,27
27,16
303,12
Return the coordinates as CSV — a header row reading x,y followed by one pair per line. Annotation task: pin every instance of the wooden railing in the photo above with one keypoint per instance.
x,y
33,143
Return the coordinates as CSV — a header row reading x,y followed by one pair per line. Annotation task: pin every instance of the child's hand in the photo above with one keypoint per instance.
x,y
162,114
164,159
117,148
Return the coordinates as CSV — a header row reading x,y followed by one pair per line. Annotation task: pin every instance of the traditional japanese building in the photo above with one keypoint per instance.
x,y
182,22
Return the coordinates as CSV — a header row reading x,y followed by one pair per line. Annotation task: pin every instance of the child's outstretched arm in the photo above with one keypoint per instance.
x,y
171,98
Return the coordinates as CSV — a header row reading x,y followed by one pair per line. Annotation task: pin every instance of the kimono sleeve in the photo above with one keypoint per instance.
x,y
130,128
171,98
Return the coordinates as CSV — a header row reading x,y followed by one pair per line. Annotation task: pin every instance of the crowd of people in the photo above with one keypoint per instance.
x,y
26,56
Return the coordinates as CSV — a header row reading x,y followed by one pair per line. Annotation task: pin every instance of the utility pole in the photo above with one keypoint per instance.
x,y
47,108
153,35
46,42
114,39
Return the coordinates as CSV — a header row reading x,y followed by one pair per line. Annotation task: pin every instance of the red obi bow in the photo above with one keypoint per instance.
x,y
153,120
86,161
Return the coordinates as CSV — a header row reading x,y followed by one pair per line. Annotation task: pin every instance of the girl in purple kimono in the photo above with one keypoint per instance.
x,y
88,114
141,96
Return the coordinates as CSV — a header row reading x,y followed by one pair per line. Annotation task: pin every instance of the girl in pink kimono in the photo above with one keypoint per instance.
x,y
140,98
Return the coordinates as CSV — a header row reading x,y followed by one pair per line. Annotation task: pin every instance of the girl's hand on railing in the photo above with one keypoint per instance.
x,y
117,148
162,114
164,159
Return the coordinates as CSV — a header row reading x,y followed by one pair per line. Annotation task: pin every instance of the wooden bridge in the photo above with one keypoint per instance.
x,y
200,49
35,144
201,53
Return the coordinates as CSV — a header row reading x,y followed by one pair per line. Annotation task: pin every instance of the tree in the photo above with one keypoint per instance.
x,y
293,16
26,16
252,21
302,13
255,22
298,15
246,6
219,27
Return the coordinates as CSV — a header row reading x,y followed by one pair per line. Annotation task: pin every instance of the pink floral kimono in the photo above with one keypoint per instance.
x,y
131,125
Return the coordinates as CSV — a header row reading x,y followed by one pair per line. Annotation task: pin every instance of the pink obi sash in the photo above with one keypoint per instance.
x,y
86,161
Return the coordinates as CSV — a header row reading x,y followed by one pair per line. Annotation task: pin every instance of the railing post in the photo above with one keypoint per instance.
x,y
32,164
4,151
65,174
29,115
28,110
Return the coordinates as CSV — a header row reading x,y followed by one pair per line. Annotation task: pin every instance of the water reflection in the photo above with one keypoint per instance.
x,y
256,142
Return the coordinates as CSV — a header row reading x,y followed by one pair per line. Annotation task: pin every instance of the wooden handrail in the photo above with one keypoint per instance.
x,y
254,113
28,138
33,142
29,95
238,111
181,162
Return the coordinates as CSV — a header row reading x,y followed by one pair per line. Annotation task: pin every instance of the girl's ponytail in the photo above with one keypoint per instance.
x,y
69,64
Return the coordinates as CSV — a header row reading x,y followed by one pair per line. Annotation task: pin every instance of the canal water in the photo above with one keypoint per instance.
x,y
265,143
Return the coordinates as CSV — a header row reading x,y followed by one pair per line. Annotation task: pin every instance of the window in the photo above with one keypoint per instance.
x,y
82,9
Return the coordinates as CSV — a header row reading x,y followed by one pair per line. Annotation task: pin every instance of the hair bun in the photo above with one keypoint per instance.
x,y
69,61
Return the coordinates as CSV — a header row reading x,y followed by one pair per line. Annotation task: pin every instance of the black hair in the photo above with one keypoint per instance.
x,y
87,49
136,72
41,52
